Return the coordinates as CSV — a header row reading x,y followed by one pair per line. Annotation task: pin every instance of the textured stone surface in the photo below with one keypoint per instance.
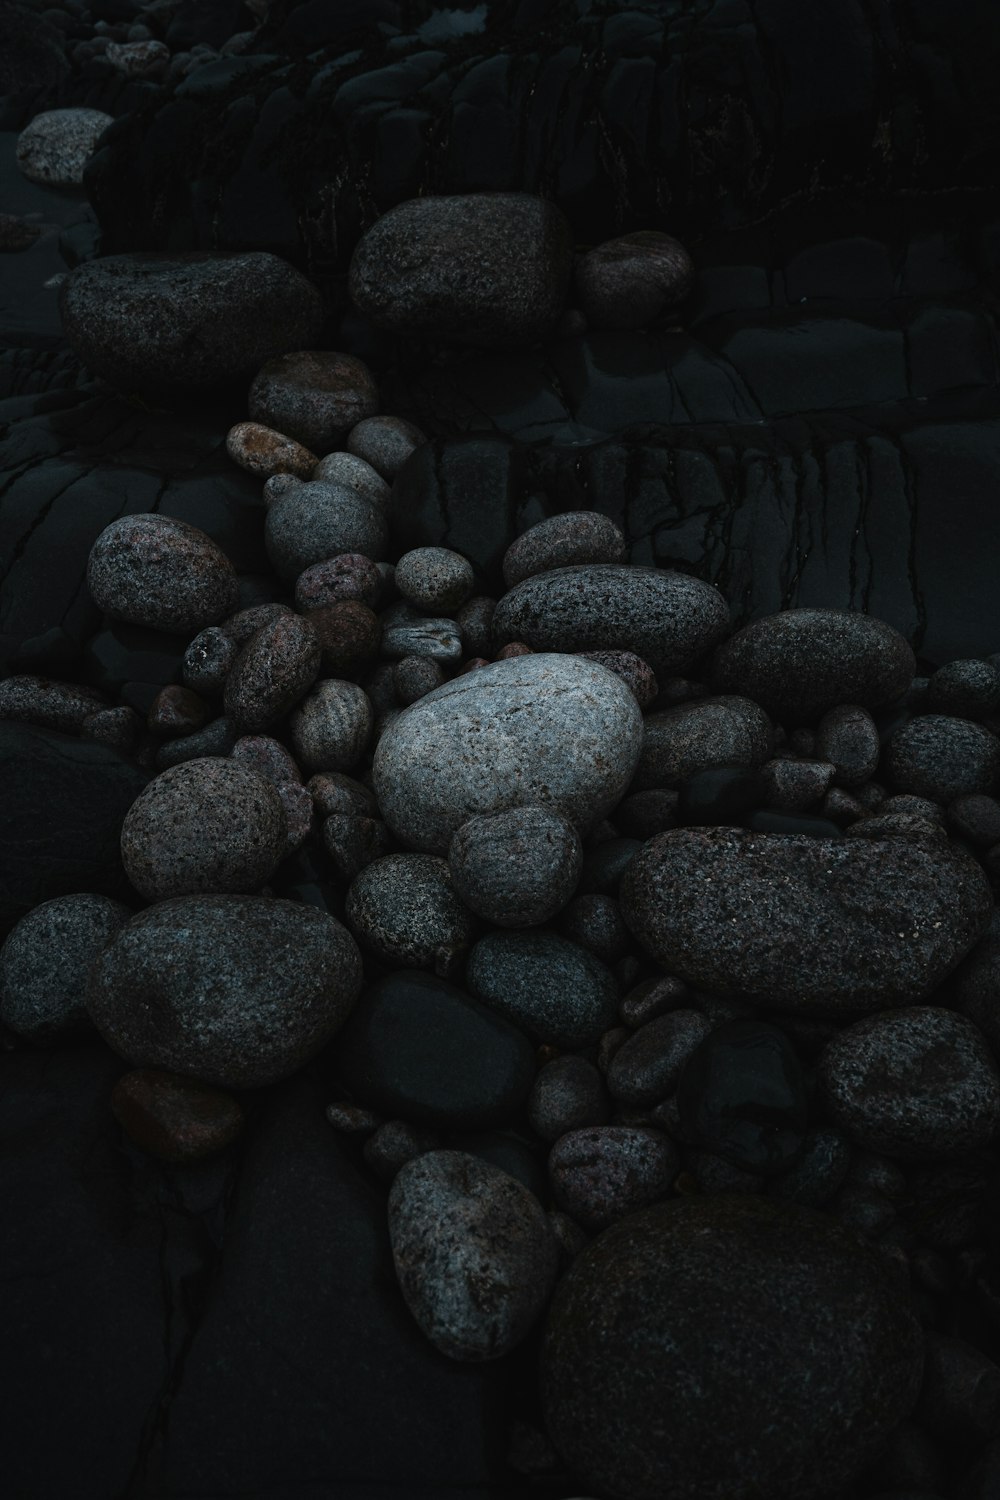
x,y
941,757
576,537
56,146
557,991
776,1285
355,472
474,1253
312,522
272,672
568,1093
626,282
545,729
806,924
605,1172
385,444
45,963
668,618
314,395
847,738
268,452
175,1118
332,726
434,578
207,986
405,909
517,867
680,742
51,705
156,571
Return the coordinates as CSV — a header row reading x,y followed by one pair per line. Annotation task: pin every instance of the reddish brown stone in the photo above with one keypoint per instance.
x,y
513,648
349,633
473,665
173,1117
176,710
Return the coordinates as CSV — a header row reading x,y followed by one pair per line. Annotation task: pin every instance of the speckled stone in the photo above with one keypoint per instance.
x,y
53,705
334,792
546,729
268,757
315,395
181,323
17,233
637,674
700,735
474,1253
138,58
552,988
646,1067
518,867
332,726
349,634
265,451
754,1297
208,824
975,817
670,619
567,540
277,485
491,269
385,443
299,815
405,910
414,677
568,1094
395,1143
113,726
800,663
173,1117
806,924
349,576
217,738
240,627
420,1047
629,281
56,146
44,965
236,991
794,785
967,689
939,757
603,1172
207,661
918,1083
357,474
318,520
153,570
595,922
273,670
475,621
353,841
847,737
434,578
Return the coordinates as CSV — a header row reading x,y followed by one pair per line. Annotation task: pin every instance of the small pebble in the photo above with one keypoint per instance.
x,y
298,809
17,233
349,576
405,910
434,578
348,469
847,737
633,671
119,727
349,634
595,922
277,485
414,677
156,571
407,632
647,1066
966,689
217,738
652,998
335,792
177,711
975,817
273,670
314,395
568,1093
393,1144
576,536
475,621
840,808
385,443
604,1172
264,452
794,785
319,520
137,59
268,757
208,660
351,1119
240,627
174,1118
45,962
56,146
512,650
629,281
942,758
516,868
332,726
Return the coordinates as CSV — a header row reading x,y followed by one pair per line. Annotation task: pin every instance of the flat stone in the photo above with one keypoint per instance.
x,y
802,662
408,632
236,991
313,522
492,269
548,730
58,143
551,987
314,395
698,736
670,619
837,927
776,1284
474,1253
158,572
45,961
52,705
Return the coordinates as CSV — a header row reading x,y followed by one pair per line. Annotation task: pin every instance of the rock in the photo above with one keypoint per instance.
x,y
414,677
357,473
408,632
313,522
965,689
847,738
568,1094
267,452
177,711
332,726
353,841
543,730
314,395
434,578
272,672
606,1172
817,1173
801,663
518,867
418,1046
62,804
491,269
138,58
563,541
552,988
349,576
217,738
670,619
236,991
51,705
209,824
180,325
757,1274
175,1118
385,444
794,785
632,670
395,1143
269,758
918,1083
629,281
647,1066
349,635
405,910
474,1253
44,965
699,736
837,927
158,572
17,233
56,146
942,758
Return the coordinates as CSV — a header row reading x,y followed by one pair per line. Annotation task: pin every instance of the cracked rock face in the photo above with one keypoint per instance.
x,y
806,924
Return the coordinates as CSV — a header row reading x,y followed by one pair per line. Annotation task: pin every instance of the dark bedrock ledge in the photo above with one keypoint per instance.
x,y
890,510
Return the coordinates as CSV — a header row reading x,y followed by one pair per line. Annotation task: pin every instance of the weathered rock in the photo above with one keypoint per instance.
x,y
629,281
563,541
517,867
312,522
267,451
274,669
314,395
155,571
604,1172
939,757
405,909
698,736
332,726
51,705
552,988
56,146
45,963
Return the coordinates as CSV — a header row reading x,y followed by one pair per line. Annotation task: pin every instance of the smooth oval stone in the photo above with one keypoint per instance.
x,y
628,281
434,578
422,1048
917,1083
268,453
404,908
705,734
942,758
839,926
56,145
155,571
271,673
603,1172
175,1118
318,520
557,991
969,689
568,1093
670,619
314,395
385,444
356,473
576,536
517,867
332,726
847,738
491,269
802,662
45,963
648,1065
546,729
51,705
177,324
731,1304
474,1253
237,991
742,1094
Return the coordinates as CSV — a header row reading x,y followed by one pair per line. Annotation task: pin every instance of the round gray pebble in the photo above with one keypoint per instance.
x,y
794,785
434,578
45,963
576,536
314,395
603,1172
695,736
347,469
351,575
966,689
385,443
206,825
153,570
404,908
518,867
646,1067
332,726
273,670
568,1094
847,737
550,987
917,1084
318,520
414,677
942,758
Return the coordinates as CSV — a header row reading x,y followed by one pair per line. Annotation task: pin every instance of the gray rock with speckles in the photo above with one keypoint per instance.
x,y
405,909
45,963
474,1253
838,927
271,673
570,538
434,578
57,144
52,705
313,521
153,570
332,726
385,443
603,1172
357,474
847,737
552,988
917,1084
314,395
942,758
237,991
695,736
408,632
517,867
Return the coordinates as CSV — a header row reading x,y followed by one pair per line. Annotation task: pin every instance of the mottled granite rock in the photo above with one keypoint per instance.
x,y
56,146
163,573
314,395
45,963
